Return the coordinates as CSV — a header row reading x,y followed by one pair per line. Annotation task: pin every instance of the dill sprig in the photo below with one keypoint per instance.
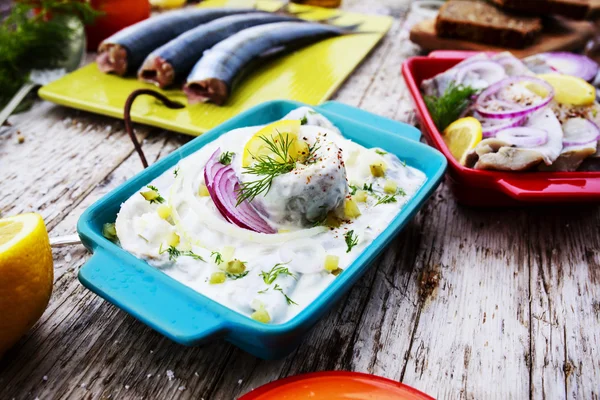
x,y
311,157
174,252
36,40
380,152
176,172
268,167
152,195
449,106
351,240
218,257
226,157
278,269
287,299
389,198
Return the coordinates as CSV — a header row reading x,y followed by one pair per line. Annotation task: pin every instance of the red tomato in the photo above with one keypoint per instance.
x,y
118,14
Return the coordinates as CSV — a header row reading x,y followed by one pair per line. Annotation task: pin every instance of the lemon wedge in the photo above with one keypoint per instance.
x,y
26,272
461,136
570,89
285,130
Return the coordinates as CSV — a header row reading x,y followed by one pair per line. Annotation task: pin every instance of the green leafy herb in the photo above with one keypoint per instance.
x,y
380,152
236,276
37,40
303,120
389,198
368,188
353,189
174,253
403,162
351,240
448,107
217,256
267,167
263,291
152,195
278,269
312,151
287,299
176,172
226,157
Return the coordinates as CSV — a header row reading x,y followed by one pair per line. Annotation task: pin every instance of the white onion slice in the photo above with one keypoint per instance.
x,y
579,132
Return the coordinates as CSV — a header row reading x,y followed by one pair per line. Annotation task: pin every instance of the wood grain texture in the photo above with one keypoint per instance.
x,y
465,303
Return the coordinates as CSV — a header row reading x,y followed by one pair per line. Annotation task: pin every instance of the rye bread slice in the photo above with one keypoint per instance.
x,y
574,9
482,22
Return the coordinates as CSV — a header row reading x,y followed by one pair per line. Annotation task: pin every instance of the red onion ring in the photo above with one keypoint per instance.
x,y
571,64
490,71
490,127
523,136
484,98
223,186
590,128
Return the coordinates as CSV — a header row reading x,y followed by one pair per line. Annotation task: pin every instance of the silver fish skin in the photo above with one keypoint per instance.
x,y
212,77
125,51
176,58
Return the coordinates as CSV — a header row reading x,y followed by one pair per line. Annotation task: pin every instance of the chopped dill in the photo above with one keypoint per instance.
x,y
303,120
312,151
263,291
368,188
278,269
353,189
176,172
449,106
268,167
236,276
380,152
174,253
226,157
287,299
389,198
403,162
351,240
217,256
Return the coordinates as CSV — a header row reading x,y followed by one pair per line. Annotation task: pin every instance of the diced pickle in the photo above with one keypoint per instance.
x,y
302,149
235,267
150,195
351,209
217,278
261,315
203,191
378,169
337,271
109,231
390,186
360,196
227,253
164,211
331,262
173,239
332,221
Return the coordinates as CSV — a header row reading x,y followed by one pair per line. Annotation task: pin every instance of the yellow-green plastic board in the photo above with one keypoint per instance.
x,y
310,75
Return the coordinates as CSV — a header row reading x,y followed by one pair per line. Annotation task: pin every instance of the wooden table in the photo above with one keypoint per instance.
x,y
466,303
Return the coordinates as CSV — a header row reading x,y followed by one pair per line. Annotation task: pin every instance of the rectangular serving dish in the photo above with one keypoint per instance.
x,y
493,188
309,75
189,317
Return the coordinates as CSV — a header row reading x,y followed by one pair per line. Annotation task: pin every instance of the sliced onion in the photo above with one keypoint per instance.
x,y
223,187
523,136
489,71
579,132
571,64
490,127
487,96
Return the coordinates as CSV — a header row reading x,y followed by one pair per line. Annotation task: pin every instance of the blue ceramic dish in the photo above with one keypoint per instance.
x,y
190,318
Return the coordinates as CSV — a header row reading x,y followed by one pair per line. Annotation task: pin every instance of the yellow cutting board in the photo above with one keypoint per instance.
x,y
310,75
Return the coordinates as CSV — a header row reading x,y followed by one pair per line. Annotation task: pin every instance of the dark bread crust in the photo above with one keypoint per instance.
x,y
574,9
482,22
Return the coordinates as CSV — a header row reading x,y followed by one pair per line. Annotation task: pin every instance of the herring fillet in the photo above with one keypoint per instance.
x,y
212,77
125,51
176,58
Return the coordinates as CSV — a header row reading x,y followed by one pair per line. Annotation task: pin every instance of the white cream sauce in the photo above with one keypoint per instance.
x,y
203,230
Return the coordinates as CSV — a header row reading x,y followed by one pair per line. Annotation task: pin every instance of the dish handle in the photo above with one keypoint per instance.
x,y
152,297
536,189
365,117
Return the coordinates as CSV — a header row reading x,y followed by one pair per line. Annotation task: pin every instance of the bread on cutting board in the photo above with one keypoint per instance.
x,y
573,9
484,23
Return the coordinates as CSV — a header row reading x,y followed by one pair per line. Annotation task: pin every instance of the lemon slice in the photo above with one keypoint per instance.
x,y
288,130
570,89
26,273
461,136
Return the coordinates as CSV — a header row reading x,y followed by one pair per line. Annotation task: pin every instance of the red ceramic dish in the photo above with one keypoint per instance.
x,y
493,188
335,385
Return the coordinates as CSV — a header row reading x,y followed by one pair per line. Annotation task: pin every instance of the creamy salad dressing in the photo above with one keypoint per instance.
x,y
301,249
